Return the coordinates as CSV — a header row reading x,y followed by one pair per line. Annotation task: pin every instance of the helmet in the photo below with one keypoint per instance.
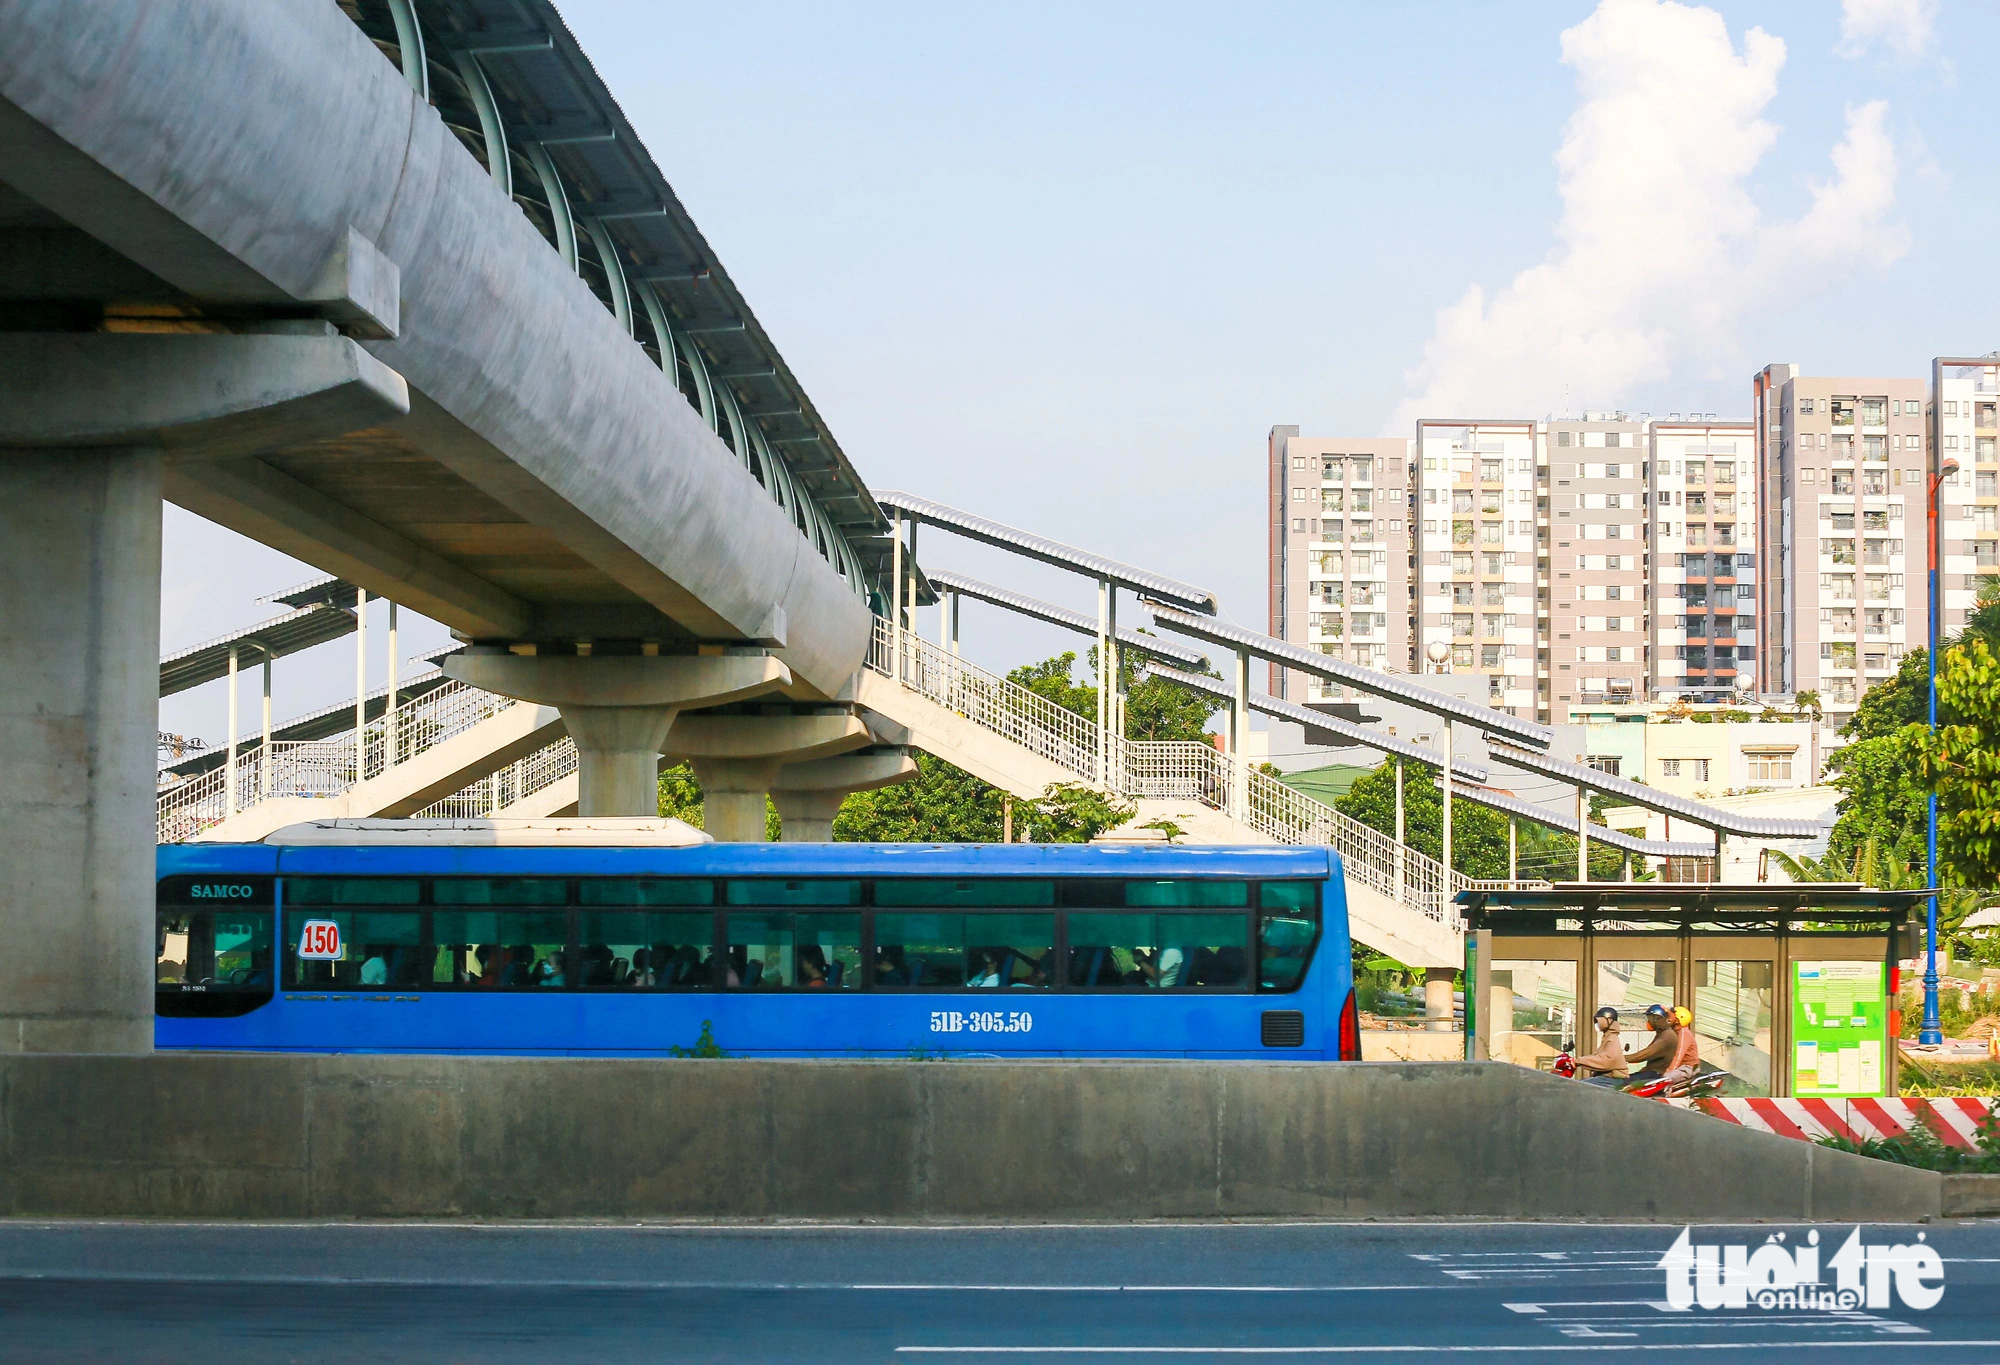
x,y
1657,1012
1606,1012
1683,1015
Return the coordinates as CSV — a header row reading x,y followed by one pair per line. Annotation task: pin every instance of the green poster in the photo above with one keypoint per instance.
x,y
1840,1029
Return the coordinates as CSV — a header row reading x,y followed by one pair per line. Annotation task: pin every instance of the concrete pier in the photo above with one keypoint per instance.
x,y
79,652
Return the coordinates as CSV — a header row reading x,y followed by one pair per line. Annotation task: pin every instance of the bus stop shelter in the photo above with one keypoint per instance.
x,y
1792,987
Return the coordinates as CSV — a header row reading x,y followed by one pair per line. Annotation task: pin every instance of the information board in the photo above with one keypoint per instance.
x,y
1840,1030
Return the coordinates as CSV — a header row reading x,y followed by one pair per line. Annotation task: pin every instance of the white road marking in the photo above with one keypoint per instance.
x,y
1539,1348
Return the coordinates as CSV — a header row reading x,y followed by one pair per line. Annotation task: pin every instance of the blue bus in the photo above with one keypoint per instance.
x,y
381,943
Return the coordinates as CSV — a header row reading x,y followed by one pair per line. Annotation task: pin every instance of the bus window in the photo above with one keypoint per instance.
x,y
777,891
352,891
942,893
630,950
500,891
773,950
500,949
1158,952
1287,930
947,951
1188,894
645,891
1009,950
211,961
924,951
379,949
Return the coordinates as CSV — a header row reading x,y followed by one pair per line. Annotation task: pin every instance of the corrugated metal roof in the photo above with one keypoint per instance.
x,y
1062,616
1285,710
272,639
324,723
549,93
328,589
1509,804
1183,595
1639,794
1390,685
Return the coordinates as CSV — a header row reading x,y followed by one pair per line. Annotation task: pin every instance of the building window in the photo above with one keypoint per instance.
x,y
1770,767
1671,767
1604,763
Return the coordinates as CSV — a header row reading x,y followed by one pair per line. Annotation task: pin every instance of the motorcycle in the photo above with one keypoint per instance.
x,y
1702,1085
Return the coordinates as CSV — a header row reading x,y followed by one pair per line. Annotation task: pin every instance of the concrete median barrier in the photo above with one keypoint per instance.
x,y
273,1136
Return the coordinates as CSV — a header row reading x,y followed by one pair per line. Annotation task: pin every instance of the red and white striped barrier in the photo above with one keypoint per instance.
x,y
1955,1121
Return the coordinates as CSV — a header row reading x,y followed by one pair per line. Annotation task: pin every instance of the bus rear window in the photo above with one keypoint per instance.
x,y
1287,931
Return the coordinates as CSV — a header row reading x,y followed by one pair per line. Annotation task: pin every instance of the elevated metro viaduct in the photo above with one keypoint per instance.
x,y
392,286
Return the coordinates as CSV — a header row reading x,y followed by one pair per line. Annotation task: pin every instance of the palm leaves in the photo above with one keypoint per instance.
x,y
1873,865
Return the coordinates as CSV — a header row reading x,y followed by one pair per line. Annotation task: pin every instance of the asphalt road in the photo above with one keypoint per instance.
x,y
208,1293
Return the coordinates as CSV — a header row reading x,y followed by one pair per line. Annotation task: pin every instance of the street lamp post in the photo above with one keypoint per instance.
x,y
1932,1031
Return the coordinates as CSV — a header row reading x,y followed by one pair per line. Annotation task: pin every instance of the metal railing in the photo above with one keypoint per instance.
x,y
1174,771
992,703
495,792
321,768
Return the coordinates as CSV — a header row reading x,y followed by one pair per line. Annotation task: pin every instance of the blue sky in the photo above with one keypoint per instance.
x,y
1068,264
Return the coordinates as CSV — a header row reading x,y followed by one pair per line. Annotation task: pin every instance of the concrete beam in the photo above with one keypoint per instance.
x,y
211,397
267,505
523,383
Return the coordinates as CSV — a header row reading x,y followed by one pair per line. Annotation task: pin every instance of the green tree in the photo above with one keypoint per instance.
x,y
1071,813
1960,762
942,804
1155,708
1880,799
1889,706
1050,679
1478,833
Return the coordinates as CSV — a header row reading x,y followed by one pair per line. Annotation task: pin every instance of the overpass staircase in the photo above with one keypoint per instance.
x,y
1398,900
457,751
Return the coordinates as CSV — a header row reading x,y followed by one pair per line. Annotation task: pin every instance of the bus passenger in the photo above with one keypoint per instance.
x,y
374,967
552,971
889,967
812,967
987,972
641,975
1161,968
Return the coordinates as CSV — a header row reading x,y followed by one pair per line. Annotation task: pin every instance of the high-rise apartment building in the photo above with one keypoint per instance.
x,y
1474,517
1594,641
1584,562
1842,465
1704,498
1340,553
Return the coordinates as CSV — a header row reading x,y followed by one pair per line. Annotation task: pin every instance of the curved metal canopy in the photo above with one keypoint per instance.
x,y
1062,616
1639,794
272,639
973,527
1509,804
1389,685
1292,711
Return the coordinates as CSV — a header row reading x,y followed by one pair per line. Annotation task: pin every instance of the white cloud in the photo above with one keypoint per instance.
x,y
1905,27
1661,251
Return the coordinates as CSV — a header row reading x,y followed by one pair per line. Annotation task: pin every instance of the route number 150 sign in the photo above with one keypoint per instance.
x,y
320,941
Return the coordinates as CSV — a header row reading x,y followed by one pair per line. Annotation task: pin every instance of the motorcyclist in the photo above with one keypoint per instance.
x,y
1662,1053
1609,1058
1673,1056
